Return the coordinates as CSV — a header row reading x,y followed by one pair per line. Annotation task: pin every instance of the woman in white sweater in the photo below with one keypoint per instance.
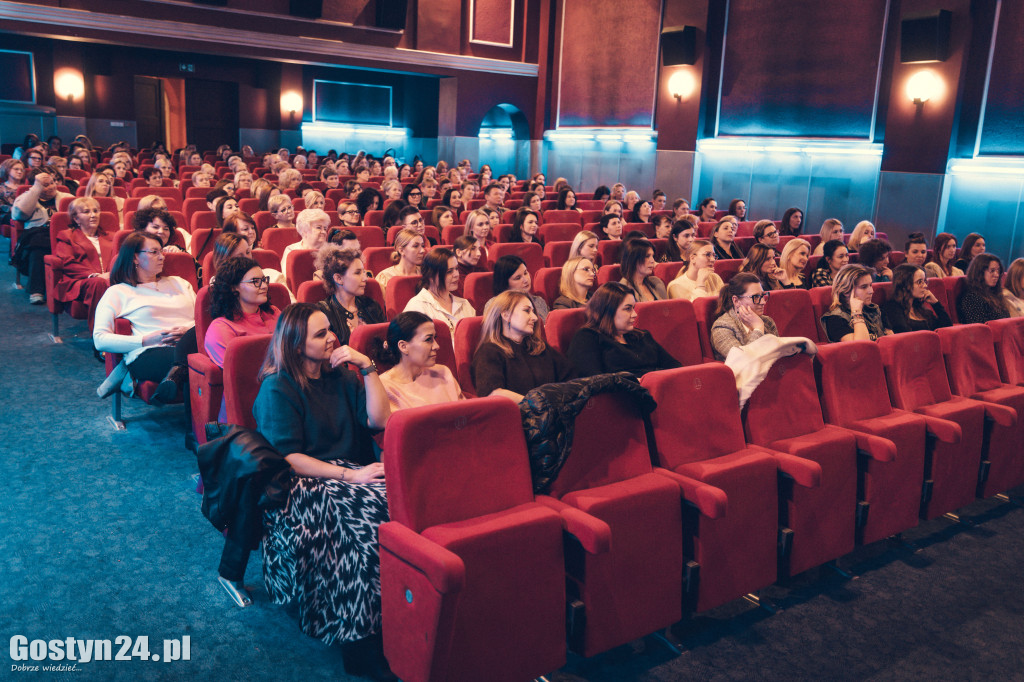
x,y
161,310
436,298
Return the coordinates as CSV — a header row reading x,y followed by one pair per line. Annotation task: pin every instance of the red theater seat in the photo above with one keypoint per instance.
x,y
792,313
467,338
531,253
673,324
1008,336
479,289
562,325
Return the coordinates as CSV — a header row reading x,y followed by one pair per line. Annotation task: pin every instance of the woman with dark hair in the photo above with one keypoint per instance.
x,y
512,358
320,548
415,379
391,215
707,209
567,200
680,239
412,195
982,298
525,226
510,273
347,306
161,309
907,309
874,254
242,223
641,212
452,198
740,318
86,252
609,340
723,237
602,193
229,245
436,297
941,262
441,217
792,222
974,245
852,316
610,227
239,306
161,224
662,226
834,257
760,262
637,264
368,200
224,208
532,201
738,208
680,209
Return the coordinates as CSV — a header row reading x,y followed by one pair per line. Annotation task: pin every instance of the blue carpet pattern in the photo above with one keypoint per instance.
x,y
101,535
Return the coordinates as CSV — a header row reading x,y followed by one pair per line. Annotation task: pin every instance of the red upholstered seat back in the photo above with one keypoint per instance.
x,y
467,338
914,369
937,286
531,253
704,310
377,258
555,231
203,317
203,241
698,414
673,324
571,216
311,292
792,313
556,253
479,289
821,300
546,283
264,221
608,250
1008,336
368,236
300,267
437,470
400,289
954,287
243,359
562,325
970,358
785,404
609,273
609,445
277,238
852,382
181,265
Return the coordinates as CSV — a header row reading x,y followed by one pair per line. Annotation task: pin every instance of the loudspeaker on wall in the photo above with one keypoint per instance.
x,y
679,45
925,38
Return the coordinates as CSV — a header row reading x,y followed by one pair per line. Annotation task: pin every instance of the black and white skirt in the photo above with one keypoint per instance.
x,y
320,551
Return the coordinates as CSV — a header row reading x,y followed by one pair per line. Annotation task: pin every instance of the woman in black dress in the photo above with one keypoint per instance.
x,y
912,307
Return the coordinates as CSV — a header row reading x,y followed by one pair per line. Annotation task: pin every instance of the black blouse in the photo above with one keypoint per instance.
x,y
592,352
900,321
520,373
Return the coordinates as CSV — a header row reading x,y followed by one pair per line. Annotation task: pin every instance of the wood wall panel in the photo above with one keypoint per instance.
x,y
492,21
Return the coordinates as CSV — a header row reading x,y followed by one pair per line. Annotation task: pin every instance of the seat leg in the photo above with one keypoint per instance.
x,y
834,565
667,640
115,413
237,591
55,336
758,602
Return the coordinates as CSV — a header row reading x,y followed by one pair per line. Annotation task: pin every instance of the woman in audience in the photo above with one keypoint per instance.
x,y
239,306
602,193
243,183
680,240
912,307
485,175
415,379
525,226
830,229
288,179
1013,291
698,278
100,185
368,200
662,226
441,217
512,358
738,208
795,255
760,262
874,254
391,189
347,306
862,232
852,316
412,195
532,201
510,273
765,232
86,253
707,210
159,223
280,206
228,245
740,318
792,222
723,238
567,200
312,225
314,199
262,191
320,548
452,198
227,185
224,208
834,257
161,310
329,176
349,214
941,262
680,209
641,212
974,245
243,224
468,255
612,206
478,225
609,340
610,227
578,277
982,298
638,263
410,249
584,245
436,297
12,172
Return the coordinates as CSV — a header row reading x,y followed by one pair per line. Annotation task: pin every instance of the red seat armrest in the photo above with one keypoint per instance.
x,y
943,429
443,568
594,534
1000,414
804,472
712,502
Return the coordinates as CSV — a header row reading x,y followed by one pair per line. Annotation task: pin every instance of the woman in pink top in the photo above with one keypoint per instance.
x,y
416,379
239,305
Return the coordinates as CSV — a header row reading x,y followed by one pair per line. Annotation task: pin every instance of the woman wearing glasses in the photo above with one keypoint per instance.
x,y
349,214
699,278
740,317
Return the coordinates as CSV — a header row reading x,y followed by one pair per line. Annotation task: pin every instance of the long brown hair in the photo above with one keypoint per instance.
x,y
976,280
493,329
288,345
604,304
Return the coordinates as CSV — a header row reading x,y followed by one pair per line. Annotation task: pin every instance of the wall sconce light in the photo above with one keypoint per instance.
x,y
682,84
68,84
291,101
923,86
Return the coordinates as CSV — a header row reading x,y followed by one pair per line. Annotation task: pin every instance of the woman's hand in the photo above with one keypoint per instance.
x,y
371,473
930,298
886,272
164,337
349,354
703,274
750,318
856,306
781,275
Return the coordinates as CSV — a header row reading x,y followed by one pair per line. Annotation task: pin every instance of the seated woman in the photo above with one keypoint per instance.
x,y
834,257
567,200
86,253
314,199
347,306
941,262
912,307
410,248
680,209
707,209
578,276
441,217
698,278
161,309
224,208
760,262
609,227
512,358
584,245
436,297
532,201
525,227
12,172
415,379
1013,292
478,225
610,342
723,238
830,229
161,224
765,232
280,206
641,212
320,548
793,261
452,198
312,225
852,316
638,263
862,232
662,226
792,222
680,239
612,207
738,208
982,298
229,245
974,245
101,185
874,254
740,317
510,273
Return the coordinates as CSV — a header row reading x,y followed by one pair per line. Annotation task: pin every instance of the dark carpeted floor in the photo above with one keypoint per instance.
x,y
101,535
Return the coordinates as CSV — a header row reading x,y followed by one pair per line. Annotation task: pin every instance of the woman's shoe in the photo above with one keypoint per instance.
x,y
168,389
365,658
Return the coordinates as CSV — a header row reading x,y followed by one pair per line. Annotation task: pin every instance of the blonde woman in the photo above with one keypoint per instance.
x,y
698,279
100,185
280,206
314,199
1013,292
578,277
288,179
852,316
409,252
478,225
312,225
862,232
584,245
830,229
795,255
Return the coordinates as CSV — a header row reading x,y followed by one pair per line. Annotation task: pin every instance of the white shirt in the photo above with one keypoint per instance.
x,y
169,302
424,302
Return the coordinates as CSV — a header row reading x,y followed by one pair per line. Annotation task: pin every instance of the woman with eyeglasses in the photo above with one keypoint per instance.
x,y
740,318
349,214
698,278
912,307
982,298
161,310
578,277
412,195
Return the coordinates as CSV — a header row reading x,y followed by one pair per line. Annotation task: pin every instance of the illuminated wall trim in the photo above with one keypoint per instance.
x,y
788,145
602,135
